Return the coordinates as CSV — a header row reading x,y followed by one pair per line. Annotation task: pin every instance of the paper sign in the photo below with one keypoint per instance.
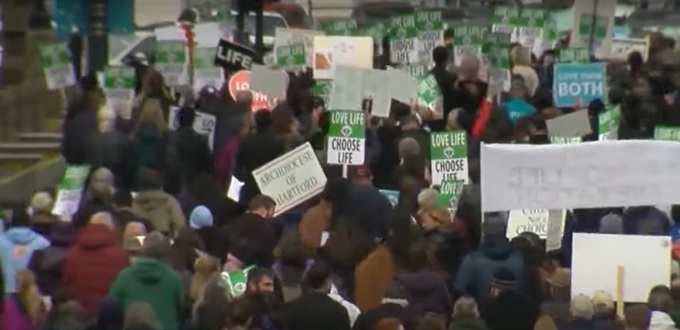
x,y
171,61
291,58
449,194
587,175
576,123
234,189
292,178
240,81
579,82
608,124
237,281
373,85
272,83
565,140
646,262
528,220
118,84
206,73
448,151
403,87
666,133
204,124
70,191
333,52
56,63
428,92
287,37
346,91
574,55
346,138
234,57
622,47
403,37
602,15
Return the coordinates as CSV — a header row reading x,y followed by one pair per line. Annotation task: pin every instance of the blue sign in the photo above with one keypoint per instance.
x,y
579,82
70,16
391,195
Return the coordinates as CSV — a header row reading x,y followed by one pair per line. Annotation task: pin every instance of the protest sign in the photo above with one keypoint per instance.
x,y
346,138
496,50
429,93
549,36
403,36
205,71
565,140
403,87
237,281
55,60
622,47
586,175
70,191
346,91
292,178
373,85
608,124
531,22
417,71
322,89
118,84
291,58
171,61
646,263
272,83
287,37
449,194
430,34
579,82
574,55
528,220
240,81
204,124
348,27
391,195
448,151
235,57
505,19
468,41
556,222
576,123
332,52
593,22
666,133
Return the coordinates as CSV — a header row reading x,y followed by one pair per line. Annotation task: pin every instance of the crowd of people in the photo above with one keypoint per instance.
x,y
156,244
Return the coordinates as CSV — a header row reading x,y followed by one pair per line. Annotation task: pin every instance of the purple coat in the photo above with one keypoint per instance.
x,y
14,316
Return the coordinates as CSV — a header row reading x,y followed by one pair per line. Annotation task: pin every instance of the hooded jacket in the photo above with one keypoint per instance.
x,y
17,246
427,291
161,209
518,108
92,265
153,282
148,146
476,271
48,264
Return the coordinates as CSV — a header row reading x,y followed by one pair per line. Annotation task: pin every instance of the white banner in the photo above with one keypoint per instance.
x,y
622,47
586,175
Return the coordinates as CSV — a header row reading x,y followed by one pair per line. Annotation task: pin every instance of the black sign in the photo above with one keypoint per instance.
x,y
233,57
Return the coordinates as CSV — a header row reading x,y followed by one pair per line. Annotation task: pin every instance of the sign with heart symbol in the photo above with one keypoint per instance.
x,y
346,131
448,152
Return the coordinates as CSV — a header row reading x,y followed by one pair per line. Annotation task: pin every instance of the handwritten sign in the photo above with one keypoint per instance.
x,y
528,220
586,175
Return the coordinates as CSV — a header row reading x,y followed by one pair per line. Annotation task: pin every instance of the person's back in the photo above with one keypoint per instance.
x,y
48,264
17,245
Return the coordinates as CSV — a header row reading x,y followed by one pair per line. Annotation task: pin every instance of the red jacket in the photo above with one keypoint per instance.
x,y
92,264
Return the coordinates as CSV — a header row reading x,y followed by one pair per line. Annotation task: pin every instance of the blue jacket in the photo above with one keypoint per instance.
x,y
645,220
475,273
517,109
16,248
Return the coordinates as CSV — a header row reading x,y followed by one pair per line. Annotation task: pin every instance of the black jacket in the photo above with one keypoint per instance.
x,y
250,238
78,130
369,319
255,151
315,311
113,151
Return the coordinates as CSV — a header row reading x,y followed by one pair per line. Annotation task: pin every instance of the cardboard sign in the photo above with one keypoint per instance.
x,y
292,178
574,124
272,83
332,52
234,57
240,81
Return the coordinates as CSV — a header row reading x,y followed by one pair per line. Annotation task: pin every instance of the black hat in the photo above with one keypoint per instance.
x,y
503,278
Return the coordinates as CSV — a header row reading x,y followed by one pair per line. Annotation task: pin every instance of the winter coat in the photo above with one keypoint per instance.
x,y
315,311
17,246
162,210
14,316
148,148
255,151
92,264
427,292
113,151
468,324
372,277
250,238
368,320
153,282
78,132
313,224
48,264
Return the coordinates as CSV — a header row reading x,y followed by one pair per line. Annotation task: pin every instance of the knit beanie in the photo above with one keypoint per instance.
x,y
503,278
611,224
200,217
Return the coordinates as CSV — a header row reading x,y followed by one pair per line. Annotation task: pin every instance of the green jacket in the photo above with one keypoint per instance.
x,y
151,281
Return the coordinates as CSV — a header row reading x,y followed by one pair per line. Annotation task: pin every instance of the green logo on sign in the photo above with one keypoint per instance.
x,y
346,131
448,152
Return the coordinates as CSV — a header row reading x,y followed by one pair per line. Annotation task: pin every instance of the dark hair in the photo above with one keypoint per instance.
x,y
239,312
185,117
122,197
20,217
263,119
261,201
256,275
318,275
637,316
149,178
290,249
440,55
282,118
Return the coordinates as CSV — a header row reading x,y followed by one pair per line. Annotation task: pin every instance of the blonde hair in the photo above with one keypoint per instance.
x,y
152,114
464,308
42,202
439,214
520,56
105,119
603,302
427,198
30,296
581,307
101,184
140,315
206,268
102,218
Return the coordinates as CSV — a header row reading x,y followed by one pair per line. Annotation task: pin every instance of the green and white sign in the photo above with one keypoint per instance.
x,y
346,138
448,151
449,194
667,133
428,92
119,82
608,126
322,89
417,71
403,34
56,63
531,22
237,282
565,140
348,28
70,191
468,41
291,57
574,55
170,61
505,19
430,34
496,50
599,31
206,73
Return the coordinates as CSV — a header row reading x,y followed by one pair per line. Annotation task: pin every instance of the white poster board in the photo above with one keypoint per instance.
x,y
622,47
292,178
204,124
605,9
586,175
528,220
332,52
646,262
